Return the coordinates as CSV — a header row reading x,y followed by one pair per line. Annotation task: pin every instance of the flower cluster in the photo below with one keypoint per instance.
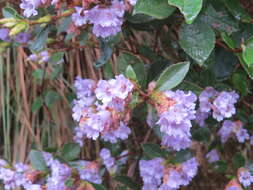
x,y
16,176
245,177
106,21
230,128
220,103
156,175
175,120
100,109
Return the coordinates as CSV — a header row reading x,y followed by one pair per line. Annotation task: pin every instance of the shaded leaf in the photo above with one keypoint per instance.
x,y
37,160
197,40
70,151
152,150
158,8
190,9
128,182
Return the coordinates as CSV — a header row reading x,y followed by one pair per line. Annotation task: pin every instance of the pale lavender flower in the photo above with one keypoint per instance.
x,y
189,170
30,7
245,178
4,34
176,121
89,171
242,135
132,2
79,17
226,130
205,104
22,37
213,156
44,56
201,117
151,172
108,160
224,105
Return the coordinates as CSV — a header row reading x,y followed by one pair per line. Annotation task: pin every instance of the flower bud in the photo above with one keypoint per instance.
x,y
18,28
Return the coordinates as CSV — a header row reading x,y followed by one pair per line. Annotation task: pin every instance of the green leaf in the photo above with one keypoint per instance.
x,y
247,52
234,6
219,20
126,59
98,186
241,83
221,166
172,76
38,74
39,43
158,8
153,150
70,151
130,73
108,71
56,58
182,156
37,160
51,97
247,68
189,8
9,12
37,104
197,40
238,161
228,40
128,182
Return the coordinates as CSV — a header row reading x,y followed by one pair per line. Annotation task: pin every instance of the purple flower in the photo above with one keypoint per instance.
x,y
226,130
245,178
242,135
132,2
213,156
201,117
30,7
22,37
176,121
108,160
151,172
79,17
106,21
89,171
224,105
4,34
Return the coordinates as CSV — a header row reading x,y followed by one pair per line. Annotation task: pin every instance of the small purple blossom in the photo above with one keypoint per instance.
x,y
4,34
213,156
245,178
30,7
22,37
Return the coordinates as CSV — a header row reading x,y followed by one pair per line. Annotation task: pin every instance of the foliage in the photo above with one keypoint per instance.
x,y
178,79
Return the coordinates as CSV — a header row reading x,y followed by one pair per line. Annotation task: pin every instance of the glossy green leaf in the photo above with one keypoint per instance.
x,y
130,73
37,160
247,68
197,40
172,76
158,8
70,151
190,9
241,83
9,12
247,52
98,186
152,150
182,156
219,20
228,40
234,6
128,182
